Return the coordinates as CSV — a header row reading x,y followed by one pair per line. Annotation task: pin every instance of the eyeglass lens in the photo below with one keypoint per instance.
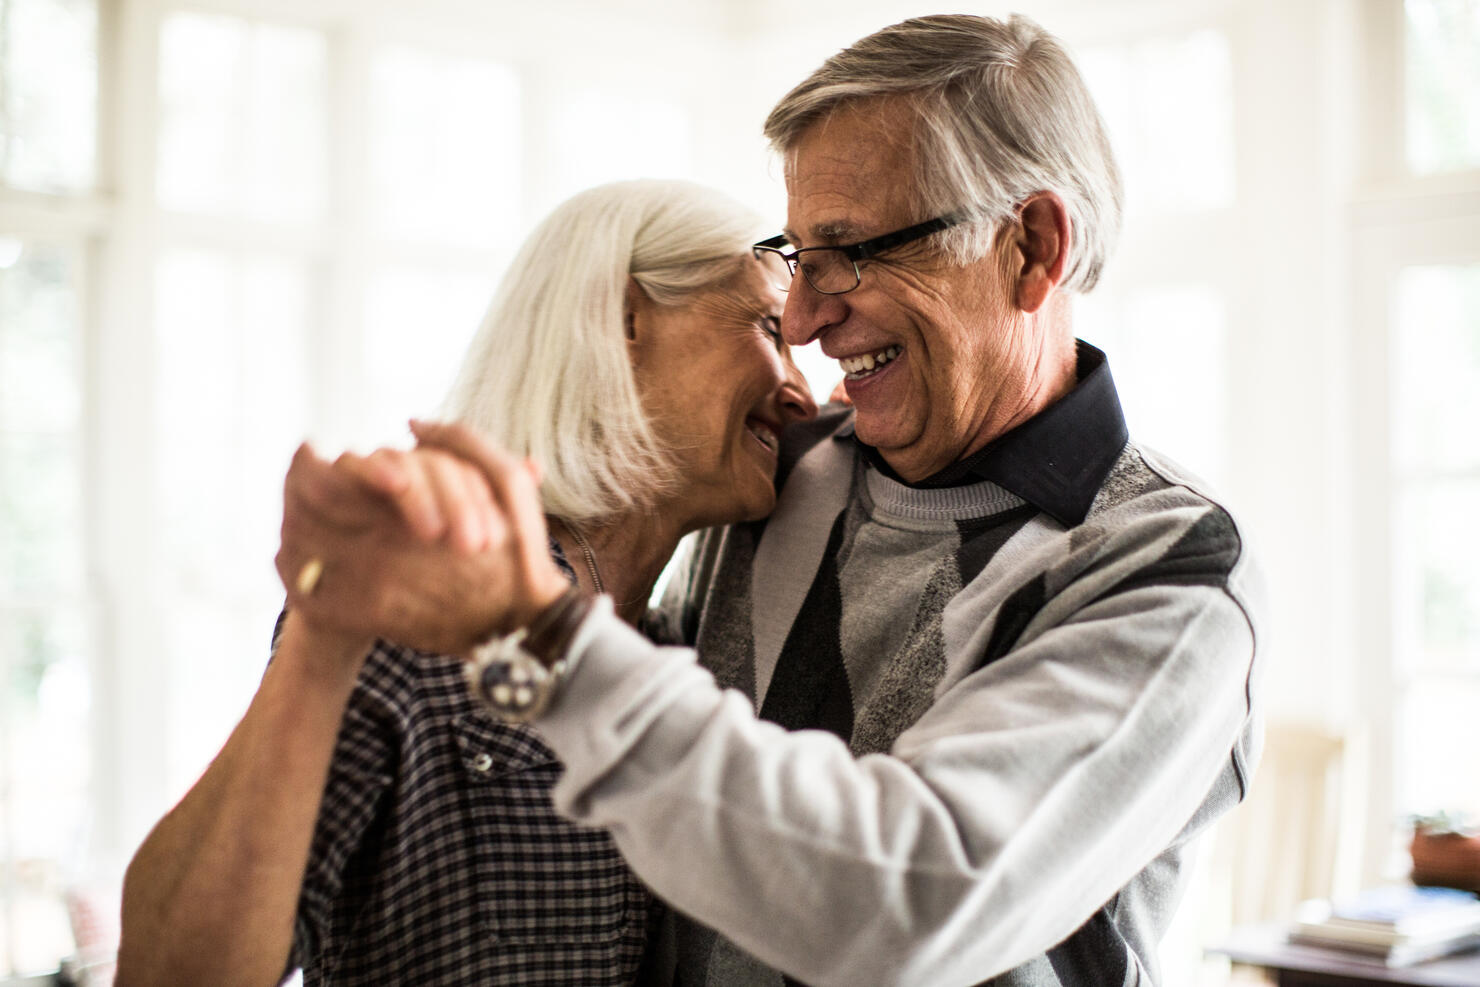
x,y
777,271
830,271
827,270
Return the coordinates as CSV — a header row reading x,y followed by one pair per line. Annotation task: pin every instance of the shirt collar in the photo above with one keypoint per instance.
x,y
1056,460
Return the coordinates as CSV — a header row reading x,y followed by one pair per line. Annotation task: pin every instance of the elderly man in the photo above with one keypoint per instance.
x,y
992,663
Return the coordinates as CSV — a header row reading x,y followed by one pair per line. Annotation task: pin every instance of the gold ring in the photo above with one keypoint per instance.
x,y
308,576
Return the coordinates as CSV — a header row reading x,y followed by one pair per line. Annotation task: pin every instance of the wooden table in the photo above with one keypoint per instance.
x,y
1298,965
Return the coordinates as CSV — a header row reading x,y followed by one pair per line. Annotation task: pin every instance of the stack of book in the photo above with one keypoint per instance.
x,y
1395,926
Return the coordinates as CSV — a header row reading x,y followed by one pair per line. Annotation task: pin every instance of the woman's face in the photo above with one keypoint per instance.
x,y
719,384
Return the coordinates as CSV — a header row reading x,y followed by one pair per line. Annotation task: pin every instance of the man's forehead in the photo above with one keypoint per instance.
x,y
847,212
848,177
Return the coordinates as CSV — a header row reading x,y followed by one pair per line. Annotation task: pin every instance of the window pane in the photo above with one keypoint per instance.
x,y
445,147
243,118
48,94
39,345
232,393
1443,84
1436,368
44,762
1166,351
40,409
40,516
1435,393
641,136
232,405
418,326
1169,106
1437,542
44,631
1441,733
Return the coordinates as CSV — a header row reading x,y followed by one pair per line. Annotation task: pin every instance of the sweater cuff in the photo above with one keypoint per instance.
x,y
616,682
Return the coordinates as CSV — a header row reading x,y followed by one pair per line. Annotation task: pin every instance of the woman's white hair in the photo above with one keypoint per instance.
x,y
1000,114
548,374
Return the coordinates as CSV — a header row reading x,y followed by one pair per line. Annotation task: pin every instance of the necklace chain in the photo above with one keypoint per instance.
x,y
590,557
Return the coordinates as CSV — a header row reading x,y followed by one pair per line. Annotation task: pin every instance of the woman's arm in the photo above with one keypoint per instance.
x,y
211,895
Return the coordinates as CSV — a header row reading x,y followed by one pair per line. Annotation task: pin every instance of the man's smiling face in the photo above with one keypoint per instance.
x,y
956,361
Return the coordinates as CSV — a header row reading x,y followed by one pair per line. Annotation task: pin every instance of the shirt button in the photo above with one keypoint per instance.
x,y
483,762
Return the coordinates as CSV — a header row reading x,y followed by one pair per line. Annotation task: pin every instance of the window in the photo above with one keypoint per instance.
x,y
1417,319
48,100
1442,85
48,113
1167,353
298,224
45,625
1168,104
242,119
445,150
1436,535
242,190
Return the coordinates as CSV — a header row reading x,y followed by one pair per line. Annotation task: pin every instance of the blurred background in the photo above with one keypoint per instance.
x,y
226,225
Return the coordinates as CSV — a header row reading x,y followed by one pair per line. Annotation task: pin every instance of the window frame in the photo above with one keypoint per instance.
x,y
1397,220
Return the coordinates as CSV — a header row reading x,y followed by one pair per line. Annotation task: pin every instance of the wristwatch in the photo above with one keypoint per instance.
x,y
516,675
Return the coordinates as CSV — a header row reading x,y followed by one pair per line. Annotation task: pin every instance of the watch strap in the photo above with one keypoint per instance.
x,y
516,675
549,634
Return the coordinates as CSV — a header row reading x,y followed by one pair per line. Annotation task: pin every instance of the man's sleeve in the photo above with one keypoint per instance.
x,y
1026,797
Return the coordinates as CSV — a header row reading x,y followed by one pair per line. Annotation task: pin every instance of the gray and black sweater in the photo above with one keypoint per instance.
x,y
970,730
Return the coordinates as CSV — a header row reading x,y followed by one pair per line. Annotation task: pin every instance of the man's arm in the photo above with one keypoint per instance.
x,y
1017,806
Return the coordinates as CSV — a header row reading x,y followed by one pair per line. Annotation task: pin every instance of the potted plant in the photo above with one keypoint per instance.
x,y
1446,851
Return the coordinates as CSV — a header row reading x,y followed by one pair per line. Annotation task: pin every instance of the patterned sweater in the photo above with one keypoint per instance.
x,y
992,733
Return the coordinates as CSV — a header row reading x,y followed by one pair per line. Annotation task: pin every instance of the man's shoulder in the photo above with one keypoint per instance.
x,y
833,423
1168,519
1143,480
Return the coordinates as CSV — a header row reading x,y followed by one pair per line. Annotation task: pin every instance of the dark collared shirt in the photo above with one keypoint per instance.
x,y
1055,460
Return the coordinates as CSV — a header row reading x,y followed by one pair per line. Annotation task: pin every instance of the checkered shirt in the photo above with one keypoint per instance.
x,y
438,857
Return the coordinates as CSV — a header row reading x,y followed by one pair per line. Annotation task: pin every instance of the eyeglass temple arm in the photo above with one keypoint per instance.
x,y
869,248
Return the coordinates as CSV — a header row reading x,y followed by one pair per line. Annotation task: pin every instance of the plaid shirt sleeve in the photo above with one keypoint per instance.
x,y
359,777
438,857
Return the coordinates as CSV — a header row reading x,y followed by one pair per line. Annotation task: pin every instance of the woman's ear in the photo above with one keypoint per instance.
x,y
634,303
1044,246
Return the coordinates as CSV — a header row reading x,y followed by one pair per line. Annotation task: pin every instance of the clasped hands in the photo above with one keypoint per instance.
x,y
438,548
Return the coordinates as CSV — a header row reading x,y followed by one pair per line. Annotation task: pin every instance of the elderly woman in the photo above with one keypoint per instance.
x,y
368,820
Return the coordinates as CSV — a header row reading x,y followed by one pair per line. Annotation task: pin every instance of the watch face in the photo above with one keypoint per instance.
x,y
512,682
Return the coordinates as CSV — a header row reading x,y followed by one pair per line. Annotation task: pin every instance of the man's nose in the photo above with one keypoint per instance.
x,y
808,313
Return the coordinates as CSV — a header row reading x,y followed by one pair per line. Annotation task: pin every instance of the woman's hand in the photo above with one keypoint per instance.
x,y
416,546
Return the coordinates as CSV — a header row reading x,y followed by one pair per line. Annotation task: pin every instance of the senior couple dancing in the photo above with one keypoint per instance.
x,y
941,695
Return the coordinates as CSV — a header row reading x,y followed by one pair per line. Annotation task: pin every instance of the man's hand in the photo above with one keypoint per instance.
x,y
414,547
514,486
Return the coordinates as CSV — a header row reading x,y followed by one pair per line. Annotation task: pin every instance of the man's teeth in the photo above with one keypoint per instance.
x,y
861,366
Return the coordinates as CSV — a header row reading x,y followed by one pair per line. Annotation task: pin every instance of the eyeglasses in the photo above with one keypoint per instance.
x,y
834,270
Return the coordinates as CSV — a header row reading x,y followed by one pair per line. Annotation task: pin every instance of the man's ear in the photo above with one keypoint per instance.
x,y
1043,244
635,304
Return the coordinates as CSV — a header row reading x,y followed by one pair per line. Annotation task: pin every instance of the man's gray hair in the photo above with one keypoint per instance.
x,y
548,373
1000,114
